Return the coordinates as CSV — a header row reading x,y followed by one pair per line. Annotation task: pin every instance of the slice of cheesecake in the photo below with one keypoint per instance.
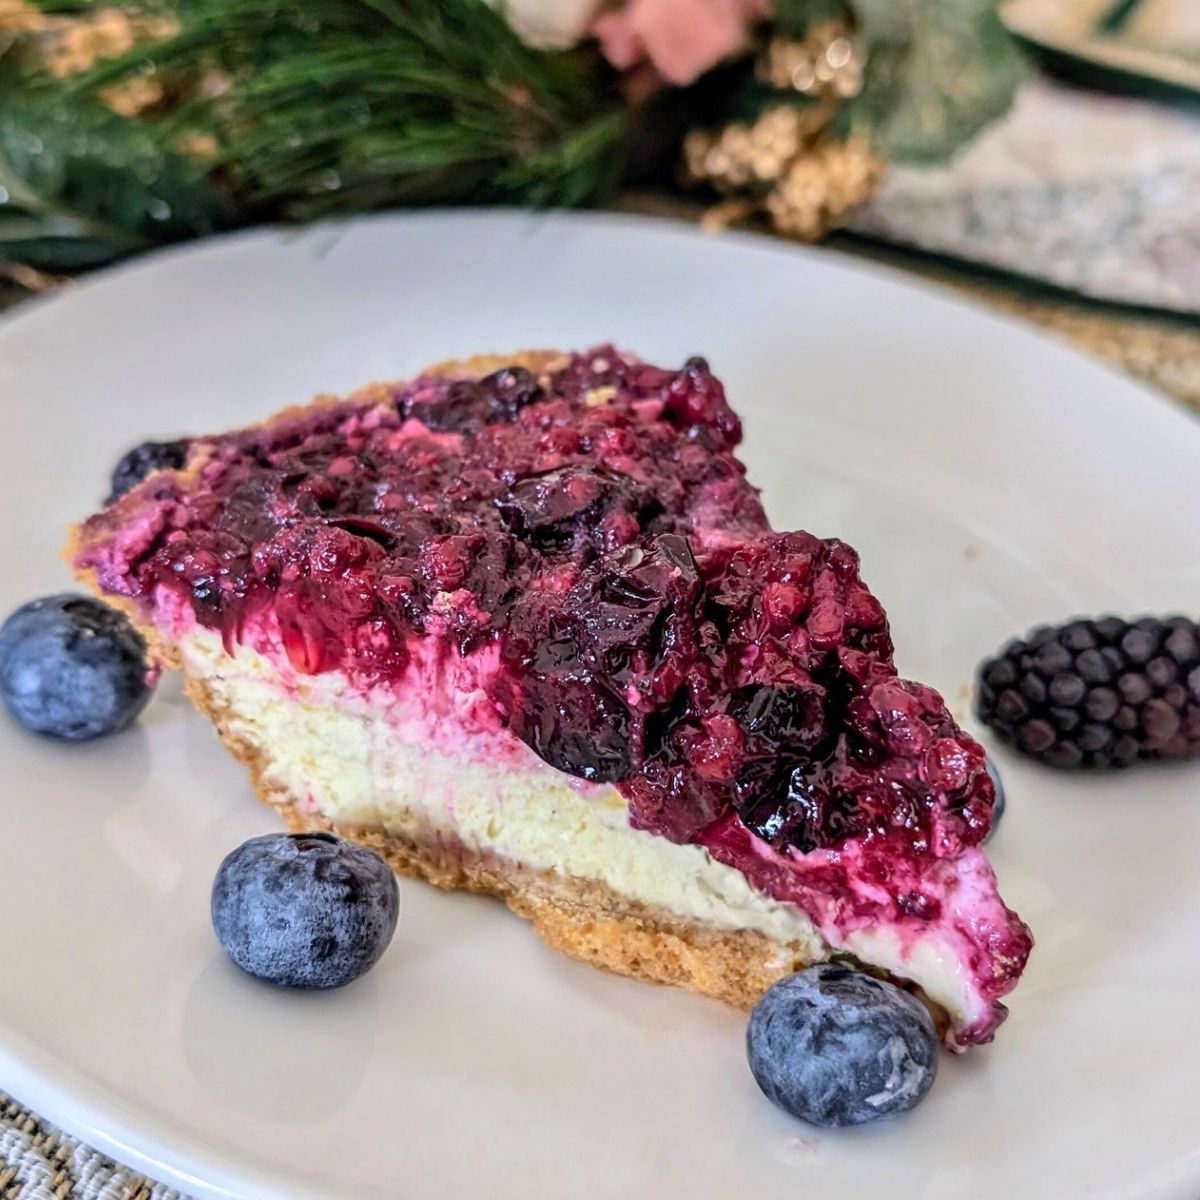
x,y
522,625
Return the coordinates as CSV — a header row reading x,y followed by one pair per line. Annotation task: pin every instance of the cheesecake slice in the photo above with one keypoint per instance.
x,y
522,625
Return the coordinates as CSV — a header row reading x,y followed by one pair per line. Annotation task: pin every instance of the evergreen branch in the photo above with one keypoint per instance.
x,y
63,206
293,109
319,107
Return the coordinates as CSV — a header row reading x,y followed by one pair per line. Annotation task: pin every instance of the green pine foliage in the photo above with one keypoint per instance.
x,y
304,108
80,185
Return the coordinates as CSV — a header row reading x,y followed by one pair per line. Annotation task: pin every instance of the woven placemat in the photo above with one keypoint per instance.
x,y
39,1162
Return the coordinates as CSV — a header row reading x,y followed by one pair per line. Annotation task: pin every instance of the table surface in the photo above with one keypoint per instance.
x,y
39,1162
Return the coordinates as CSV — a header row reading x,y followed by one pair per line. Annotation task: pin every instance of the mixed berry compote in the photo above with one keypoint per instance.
x,y
650,630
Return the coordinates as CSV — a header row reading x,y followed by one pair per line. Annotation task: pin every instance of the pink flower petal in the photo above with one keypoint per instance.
x,y
682,38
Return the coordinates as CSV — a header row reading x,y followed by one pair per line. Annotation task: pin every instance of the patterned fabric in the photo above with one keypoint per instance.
x,y
38,1162
1094,194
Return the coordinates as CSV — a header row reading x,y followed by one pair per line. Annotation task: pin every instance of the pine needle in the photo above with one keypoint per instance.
x,y
296,109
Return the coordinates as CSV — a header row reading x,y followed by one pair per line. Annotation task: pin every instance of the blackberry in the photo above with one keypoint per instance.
x,y
1098,693
141,460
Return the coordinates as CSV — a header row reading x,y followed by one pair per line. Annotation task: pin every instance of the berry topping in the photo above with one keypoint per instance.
x,y
72,668
835,1047
304,910
141,460
1098,693
585,665
696,400
576,508
462,405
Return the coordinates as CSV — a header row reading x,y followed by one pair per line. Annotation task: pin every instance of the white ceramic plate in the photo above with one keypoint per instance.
x,y
991,479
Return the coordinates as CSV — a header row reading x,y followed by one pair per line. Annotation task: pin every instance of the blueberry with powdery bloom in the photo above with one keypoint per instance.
x,y
304,910
72,668
836,1047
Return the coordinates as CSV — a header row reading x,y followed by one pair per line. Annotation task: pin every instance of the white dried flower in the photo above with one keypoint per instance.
x,y
549,24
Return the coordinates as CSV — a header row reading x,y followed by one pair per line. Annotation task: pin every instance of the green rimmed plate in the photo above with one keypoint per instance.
x,y
1148,47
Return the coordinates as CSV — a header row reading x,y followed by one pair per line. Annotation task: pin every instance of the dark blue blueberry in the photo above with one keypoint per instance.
x,y
141,460
72,668
1001,802
304,910
835,1047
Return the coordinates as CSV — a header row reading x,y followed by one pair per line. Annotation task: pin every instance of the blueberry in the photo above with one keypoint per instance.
x,y
141,460
72,668
1000,804
836,1047
578,726
304,910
